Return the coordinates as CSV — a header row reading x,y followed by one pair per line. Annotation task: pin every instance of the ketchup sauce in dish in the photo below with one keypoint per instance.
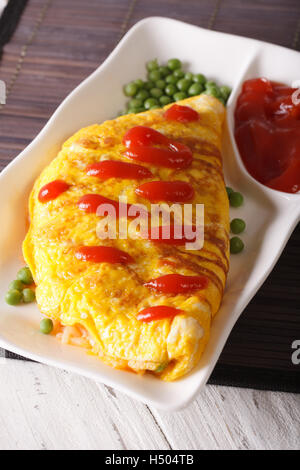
x,y
267,132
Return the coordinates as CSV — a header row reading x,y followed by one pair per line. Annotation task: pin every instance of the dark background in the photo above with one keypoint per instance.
x,y
57,43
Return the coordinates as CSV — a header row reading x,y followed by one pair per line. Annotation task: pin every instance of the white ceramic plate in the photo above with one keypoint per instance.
x,y
270,215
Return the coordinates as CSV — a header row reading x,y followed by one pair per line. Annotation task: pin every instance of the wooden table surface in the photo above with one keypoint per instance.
x,y
44,408
56,45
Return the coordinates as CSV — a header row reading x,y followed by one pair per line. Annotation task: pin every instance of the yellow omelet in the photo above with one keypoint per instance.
x,y
104,299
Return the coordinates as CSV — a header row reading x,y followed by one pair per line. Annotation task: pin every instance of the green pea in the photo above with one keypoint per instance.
x,y
139,83
170,89
148,85
160,84
237,226
164,70
180,96
213,91
161,367
165,100
130,89
195,89
142,95
46,326
150,102
236,245
210,84
135,103
189,76
28,295
152,65
174,64
154,75
178,73
155,107
136,110
229,190
225,92
199,78
183,84
171,79
25,275
13,297
156,92
236,199
16,285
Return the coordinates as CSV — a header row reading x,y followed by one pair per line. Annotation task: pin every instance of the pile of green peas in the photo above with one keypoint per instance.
x,y
167,84
18,290
237,226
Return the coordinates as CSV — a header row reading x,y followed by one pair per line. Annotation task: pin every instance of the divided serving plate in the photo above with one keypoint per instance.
x,y
270,215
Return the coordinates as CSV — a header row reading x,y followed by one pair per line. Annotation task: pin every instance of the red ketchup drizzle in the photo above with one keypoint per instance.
x,y
182,114
52,190
157,313
177,284
90,203
171,191
267,131
102,254
150,146
114,169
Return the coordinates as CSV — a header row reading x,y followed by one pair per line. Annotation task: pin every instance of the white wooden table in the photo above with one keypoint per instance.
x,y
45,408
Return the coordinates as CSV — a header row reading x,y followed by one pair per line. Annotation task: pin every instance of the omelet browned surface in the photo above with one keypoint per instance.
x,y
106,298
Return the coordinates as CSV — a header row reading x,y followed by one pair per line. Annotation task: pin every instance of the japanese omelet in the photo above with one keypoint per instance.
x,y
103,299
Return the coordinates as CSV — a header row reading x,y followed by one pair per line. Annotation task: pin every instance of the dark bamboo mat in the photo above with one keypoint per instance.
x,y
58,43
